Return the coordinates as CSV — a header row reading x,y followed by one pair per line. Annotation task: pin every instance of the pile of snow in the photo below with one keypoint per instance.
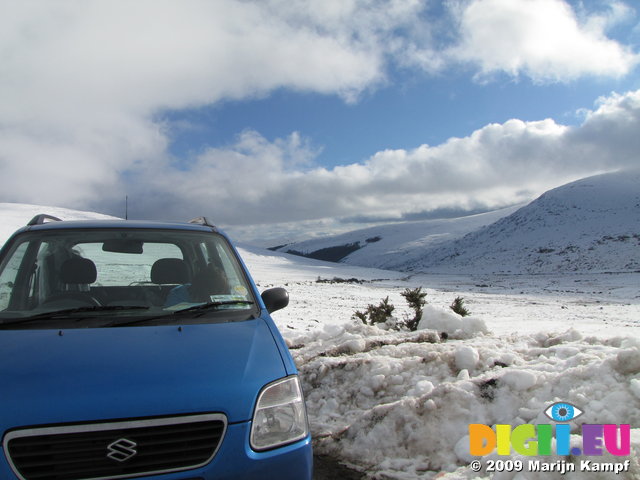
x,y
452,324
398,405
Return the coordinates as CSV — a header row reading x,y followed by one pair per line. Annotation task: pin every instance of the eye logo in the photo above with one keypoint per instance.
x,y
563,412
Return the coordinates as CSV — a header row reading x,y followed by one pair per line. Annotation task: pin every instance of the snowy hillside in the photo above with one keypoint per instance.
x,y
592,224
589,225
16,215
387,246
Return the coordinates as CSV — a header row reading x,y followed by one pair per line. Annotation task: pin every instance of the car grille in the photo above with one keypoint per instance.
x,y
112,450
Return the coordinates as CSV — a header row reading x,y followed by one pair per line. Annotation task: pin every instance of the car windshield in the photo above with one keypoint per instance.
x,y
107,277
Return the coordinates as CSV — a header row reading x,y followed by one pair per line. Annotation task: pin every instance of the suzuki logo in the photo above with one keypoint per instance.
x,y
122,450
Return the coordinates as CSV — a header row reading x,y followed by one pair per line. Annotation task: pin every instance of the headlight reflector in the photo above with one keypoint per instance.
x,y
280,416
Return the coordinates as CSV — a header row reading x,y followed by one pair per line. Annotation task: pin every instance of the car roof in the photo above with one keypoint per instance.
x,y
118,225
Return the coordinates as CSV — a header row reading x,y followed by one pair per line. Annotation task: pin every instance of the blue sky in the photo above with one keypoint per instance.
x,y
288,119
406,114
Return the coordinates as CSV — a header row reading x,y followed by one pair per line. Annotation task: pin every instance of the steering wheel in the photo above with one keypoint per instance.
x,y
81,298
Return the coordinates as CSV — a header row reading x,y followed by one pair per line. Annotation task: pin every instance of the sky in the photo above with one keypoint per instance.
x,y
287,119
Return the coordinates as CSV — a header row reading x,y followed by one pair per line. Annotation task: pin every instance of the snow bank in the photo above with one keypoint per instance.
x,y
398,405
454,325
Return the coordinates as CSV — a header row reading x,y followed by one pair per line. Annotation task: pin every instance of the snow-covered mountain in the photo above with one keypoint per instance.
x,y
592,224
387,246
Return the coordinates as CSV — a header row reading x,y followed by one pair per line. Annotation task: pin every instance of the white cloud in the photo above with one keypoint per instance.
x,y
81,83
542,39
66,58
256,181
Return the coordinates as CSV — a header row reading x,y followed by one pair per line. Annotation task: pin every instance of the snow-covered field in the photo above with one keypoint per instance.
x,y
397,405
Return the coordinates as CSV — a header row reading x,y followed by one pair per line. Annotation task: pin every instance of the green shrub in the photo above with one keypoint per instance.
x,y
416,300
376,313
458,307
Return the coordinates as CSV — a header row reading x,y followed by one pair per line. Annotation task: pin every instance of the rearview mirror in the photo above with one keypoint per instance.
x,y
275,299
122,245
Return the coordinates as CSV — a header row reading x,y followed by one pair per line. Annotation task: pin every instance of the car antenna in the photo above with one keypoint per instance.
x,y
126,207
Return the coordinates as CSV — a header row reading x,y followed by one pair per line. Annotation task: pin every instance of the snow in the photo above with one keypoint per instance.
x,y
17,215
398,404
402,410
591,225
443,320
466,358
388,246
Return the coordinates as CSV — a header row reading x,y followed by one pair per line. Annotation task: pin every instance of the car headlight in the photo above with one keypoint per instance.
x,y
280,416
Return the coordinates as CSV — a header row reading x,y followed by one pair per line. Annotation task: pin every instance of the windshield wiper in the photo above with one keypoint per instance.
x,y
67,312
206,306
199,310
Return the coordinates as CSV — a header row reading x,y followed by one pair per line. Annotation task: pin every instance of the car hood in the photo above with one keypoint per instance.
x,y
77,375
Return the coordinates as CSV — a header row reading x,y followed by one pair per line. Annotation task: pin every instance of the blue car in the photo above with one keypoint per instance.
x,y
142,350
